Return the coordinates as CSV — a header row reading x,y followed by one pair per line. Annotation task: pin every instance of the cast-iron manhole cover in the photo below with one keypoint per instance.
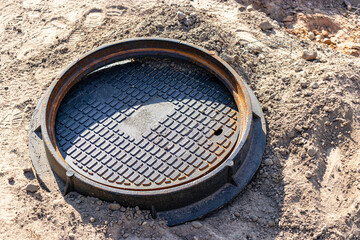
x,y
153,123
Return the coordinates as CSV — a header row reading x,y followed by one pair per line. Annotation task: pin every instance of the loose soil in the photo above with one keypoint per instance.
x,y
308,185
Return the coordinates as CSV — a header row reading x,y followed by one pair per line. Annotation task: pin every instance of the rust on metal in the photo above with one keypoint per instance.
x,y
162,137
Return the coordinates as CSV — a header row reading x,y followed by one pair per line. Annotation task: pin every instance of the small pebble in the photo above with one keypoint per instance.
x,y
327,41
126,235
196,224
250,8
11,179
203,36
311,36
92,220
308,93
298,68
236,214
309,55
122,209
304,84
242,8
314,85
189,21
151,30
348,5
32,188
114,206
324,33
266,25
227,58
271,224
254,218
268,161
159,25
312,151
292,133
308,174
288,19
71,236
180,15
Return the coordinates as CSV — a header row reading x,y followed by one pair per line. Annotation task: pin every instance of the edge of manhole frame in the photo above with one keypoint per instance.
x,y
43,153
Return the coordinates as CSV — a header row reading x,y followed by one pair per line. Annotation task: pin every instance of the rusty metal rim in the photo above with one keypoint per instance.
x,y
176,204
100,57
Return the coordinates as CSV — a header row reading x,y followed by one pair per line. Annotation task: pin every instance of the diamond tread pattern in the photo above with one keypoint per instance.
x,y
189,142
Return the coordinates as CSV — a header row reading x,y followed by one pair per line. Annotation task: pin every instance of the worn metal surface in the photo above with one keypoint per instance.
x,y
168,138
139,127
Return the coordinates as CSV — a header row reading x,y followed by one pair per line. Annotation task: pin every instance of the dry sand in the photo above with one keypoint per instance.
x,y
308,185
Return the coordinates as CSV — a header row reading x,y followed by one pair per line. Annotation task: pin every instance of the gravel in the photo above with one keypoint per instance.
x,y
180,15
312,151
189,21
227,58
327,41
203,36
288,19
309,55
114,206
266,25
250,8
268,161
32,188
71,236
311,36
196,224
314,85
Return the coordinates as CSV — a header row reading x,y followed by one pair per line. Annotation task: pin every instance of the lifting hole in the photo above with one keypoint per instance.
x,y
218,132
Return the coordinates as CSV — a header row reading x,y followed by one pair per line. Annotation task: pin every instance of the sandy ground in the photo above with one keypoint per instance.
x,y
308,185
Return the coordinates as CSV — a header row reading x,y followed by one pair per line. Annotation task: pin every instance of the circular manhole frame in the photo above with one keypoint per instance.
x,y
209,191
176,161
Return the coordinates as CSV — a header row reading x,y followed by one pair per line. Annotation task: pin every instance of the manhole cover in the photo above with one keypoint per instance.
x,y
153,123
